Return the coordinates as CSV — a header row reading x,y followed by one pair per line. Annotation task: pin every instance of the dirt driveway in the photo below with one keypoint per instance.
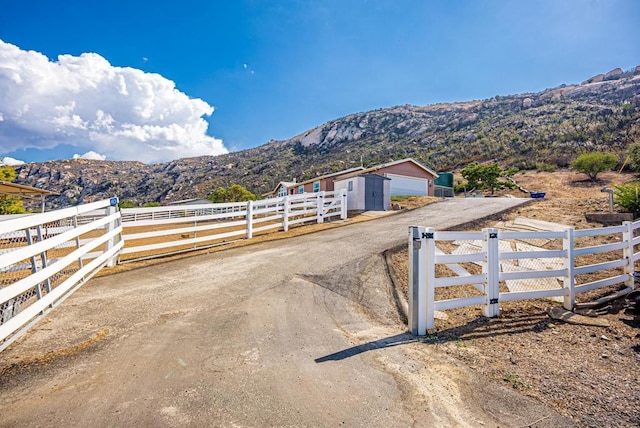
x,y
298,332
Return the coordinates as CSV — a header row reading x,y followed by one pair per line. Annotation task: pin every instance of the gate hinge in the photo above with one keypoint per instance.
x,y
493,301
428,235
493,235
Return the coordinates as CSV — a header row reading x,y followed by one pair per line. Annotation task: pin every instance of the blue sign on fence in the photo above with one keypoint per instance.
x,y
113,202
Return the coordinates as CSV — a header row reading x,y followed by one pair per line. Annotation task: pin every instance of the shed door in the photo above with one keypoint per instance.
x,y
373,194
407,185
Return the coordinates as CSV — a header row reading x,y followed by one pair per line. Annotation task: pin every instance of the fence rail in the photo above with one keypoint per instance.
x,y
45,257
152,232
498,266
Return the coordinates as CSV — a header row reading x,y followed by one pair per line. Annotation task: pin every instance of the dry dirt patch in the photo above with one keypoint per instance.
x,y
591,374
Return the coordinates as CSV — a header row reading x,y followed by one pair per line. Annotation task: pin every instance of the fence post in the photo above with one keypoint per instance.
x,y
249,219
34,263
420,317
112,241
343,204
569,281
285,214
491,267
320,207
629,269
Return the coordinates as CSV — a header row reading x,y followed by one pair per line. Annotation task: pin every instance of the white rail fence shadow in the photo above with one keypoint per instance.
x,y
494,266
46,257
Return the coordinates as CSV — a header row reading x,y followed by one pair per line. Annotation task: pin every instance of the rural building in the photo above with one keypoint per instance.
x,y
282,189
408,177
404,177
323,183
26,193
366,192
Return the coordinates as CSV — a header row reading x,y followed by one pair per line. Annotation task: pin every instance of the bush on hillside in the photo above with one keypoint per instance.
x,y
594,163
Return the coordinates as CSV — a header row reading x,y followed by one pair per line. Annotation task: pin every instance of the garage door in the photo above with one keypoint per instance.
x,y
401,185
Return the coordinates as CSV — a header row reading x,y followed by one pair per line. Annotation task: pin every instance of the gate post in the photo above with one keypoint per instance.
x,y
421,305
343,204
569,280
491,267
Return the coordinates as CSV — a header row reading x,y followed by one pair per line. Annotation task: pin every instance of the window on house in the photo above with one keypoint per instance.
x,y
316,186
282,192
300,189
350,186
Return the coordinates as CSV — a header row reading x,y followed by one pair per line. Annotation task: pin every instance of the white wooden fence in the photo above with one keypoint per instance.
x,y
502,257
45,257
151,232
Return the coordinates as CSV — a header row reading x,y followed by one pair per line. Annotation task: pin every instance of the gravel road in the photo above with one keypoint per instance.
x,y
297,332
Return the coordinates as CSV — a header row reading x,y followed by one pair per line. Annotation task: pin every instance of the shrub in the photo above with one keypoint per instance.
x,y
594,163
628,198
545,167
126,204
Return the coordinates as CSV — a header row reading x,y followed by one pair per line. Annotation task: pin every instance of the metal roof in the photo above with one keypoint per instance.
x,y
15,189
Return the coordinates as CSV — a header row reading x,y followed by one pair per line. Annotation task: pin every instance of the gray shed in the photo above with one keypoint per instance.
x,y
366,192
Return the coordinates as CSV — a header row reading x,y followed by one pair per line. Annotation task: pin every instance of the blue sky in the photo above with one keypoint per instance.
x,y
272,69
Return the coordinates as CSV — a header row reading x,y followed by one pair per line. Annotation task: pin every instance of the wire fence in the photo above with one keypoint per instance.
x,y
44,257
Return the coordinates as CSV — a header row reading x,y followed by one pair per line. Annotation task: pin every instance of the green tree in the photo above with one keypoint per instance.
x,y
10,204
219,196
486,177
7,173
594,163
238,193
235,193
628,198
151,204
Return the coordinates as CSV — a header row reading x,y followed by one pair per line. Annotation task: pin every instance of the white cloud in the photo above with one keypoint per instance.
x,y
84,101
90,155
11,161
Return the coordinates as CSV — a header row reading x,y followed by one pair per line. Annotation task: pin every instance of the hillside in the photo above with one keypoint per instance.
x,y
525,131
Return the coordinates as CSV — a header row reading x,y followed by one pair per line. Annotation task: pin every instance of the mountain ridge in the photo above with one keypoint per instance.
x,y
522,130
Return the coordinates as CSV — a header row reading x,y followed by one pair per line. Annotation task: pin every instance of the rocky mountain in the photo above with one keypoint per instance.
x,y
532,130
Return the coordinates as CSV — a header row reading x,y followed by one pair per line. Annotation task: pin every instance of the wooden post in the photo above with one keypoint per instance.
x,y
629,269
112,241
491,267
249,219
285,219
569,280
343,204
320,207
